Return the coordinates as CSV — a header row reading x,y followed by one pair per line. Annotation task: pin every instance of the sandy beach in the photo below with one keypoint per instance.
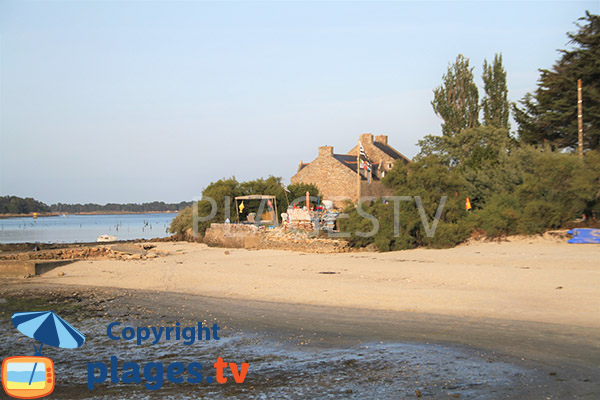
x,y
535,280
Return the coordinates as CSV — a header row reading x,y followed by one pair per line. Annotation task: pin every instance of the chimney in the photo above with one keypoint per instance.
x,y
383,139
325,151
366,138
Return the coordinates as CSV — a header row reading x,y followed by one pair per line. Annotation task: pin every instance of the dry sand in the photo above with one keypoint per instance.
x,y
536,279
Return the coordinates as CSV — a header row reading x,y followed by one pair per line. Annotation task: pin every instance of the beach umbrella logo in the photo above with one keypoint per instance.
x,y
32,377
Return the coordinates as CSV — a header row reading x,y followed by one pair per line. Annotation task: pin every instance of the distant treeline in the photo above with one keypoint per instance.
x,y
18,205
155,206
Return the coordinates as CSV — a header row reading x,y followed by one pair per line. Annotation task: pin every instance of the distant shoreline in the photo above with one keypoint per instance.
x,y
56,214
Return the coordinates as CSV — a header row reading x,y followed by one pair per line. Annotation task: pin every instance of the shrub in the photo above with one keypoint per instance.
x,y
231,188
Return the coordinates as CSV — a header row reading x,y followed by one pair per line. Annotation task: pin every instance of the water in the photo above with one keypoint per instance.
x,y
84,228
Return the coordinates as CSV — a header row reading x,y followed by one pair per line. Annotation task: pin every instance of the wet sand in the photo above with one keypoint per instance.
x,y
300,351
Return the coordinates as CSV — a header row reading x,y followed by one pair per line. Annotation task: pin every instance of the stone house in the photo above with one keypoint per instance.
x,y
338,177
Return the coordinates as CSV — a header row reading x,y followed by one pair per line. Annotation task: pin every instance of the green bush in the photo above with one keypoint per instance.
x,y
231,188
500,216
429,179
182,222
513,190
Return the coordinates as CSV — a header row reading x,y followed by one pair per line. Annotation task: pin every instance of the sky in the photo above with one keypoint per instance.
x,y
137,101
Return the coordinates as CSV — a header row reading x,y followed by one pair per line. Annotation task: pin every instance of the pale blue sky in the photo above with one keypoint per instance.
x,y
139,101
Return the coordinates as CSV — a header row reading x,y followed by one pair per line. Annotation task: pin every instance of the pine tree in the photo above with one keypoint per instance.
x,y
549,114
456,101
495,103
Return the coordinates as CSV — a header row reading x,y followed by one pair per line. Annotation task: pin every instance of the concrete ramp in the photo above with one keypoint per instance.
x,y
24,268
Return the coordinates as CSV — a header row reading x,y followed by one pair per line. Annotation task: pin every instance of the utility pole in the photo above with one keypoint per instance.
x,y
358,179
580,118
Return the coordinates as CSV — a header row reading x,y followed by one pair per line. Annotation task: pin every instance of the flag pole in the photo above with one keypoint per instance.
x,y
580,118
286,196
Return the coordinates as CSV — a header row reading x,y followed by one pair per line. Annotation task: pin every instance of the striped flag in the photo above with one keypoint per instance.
x,y
365,163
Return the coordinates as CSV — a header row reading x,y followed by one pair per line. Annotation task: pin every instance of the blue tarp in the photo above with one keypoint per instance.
x,y
584,235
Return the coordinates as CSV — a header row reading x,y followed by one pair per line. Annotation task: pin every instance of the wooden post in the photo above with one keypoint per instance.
x,y
276,215
580,118
286,198
358,172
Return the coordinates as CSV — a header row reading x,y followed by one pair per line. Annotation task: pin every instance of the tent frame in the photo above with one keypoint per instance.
x,y
262,198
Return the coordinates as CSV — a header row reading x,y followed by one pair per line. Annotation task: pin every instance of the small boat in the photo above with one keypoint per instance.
x,y
106,238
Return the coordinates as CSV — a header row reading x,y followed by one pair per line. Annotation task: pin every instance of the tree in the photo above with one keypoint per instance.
x,y
456,101
549,114
471,148
222,189
19,205
495,103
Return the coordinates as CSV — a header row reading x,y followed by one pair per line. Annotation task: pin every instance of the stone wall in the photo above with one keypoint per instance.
x,y
300,241
331,177
337,182
231,235
253,237
376,155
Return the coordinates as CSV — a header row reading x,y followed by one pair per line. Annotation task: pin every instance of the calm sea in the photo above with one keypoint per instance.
x,y
84,228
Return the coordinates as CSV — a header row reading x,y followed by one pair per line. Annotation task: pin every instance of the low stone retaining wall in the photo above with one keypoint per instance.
x,y
254,237
306,245
232,235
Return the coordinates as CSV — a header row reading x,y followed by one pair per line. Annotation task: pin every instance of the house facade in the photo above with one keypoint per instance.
x,y
339,177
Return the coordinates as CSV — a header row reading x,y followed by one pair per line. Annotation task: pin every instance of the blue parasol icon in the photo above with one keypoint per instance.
x,y
47,328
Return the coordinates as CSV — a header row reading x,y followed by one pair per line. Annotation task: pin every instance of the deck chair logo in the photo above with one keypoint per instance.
x,y
32,377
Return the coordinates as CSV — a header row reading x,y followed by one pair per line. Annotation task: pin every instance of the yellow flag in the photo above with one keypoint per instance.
x,y
468,204
242,206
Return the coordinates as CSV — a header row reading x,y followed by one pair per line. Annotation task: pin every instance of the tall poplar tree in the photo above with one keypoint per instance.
x,y
456,101
495,103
